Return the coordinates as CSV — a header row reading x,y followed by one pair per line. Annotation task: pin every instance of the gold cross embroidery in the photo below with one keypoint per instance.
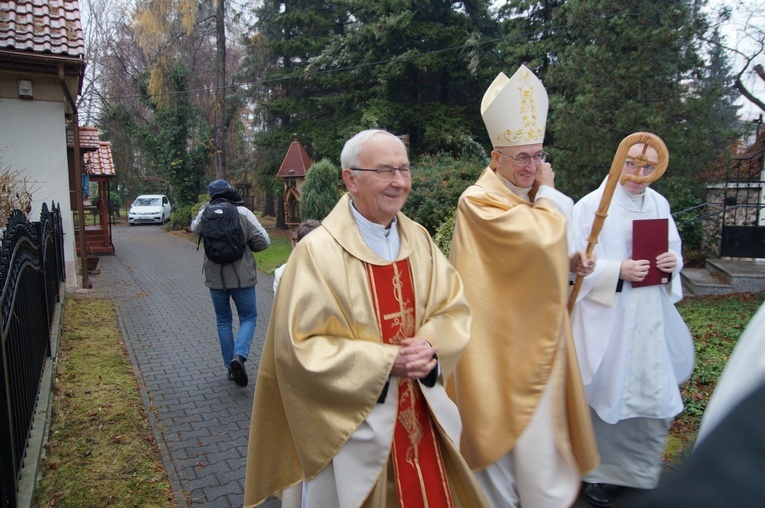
x,y
404,318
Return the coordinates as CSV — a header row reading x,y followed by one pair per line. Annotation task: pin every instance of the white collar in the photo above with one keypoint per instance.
x,y
521,192
630,201
384,242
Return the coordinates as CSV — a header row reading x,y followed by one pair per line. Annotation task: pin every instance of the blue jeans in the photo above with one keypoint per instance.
x,y
244,299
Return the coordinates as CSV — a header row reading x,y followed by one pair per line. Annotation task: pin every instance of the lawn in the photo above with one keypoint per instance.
x,y
279,250
716,323
101,450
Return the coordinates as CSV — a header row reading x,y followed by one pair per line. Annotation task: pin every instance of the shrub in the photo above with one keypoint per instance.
x,y
201,200
444,234
181,216
320,191
15,192
115,199
437,184
683,199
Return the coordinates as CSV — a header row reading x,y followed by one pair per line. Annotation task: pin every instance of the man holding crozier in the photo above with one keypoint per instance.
x,y
633,347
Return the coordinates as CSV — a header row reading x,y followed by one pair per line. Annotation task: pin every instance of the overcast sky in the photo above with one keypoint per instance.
x,y
737,36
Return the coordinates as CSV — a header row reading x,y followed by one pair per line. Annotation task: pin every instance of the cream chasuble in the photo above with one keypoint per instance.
x,y
512,256
325,363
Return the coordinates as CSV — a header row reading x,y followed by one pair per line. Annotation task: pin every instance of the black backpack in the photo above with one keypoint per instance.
x,y
222,233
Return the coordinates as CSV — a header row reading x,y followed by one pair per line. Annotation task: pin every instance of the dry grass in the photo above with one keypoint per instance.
x,y
15,191
101,450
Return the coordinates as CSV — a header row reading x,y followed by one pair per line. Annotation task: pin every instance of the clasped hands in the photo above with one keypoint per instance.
x,y
415,359
635,270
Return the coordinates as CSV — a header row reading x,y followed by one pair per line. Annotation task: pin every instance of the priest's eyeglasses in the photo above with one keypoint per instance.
x,y
387,173
524,159
634,167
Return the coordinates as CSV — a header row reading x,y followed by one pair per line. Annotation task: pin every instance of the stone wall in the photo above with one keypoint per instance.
x,y
741,202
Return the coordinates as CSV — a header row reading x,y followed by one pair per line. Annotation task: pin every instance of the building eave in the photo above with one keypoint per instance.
x,y
41,63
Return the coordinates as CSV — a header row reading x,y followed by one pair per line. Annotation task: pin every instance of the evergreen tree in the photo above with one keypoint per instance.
x,y
717,81
623,67
176,140
320,190
532,34
437,182
419,69
286,35
714,97
412,67
535,36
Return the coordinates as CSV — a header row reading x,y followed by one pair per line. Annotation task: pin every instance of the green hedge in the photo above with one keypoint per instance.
x,y
437,183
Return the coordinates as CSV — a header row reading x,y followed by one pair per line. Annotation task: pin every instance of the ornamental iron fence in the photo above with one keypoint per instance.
x,y
31,272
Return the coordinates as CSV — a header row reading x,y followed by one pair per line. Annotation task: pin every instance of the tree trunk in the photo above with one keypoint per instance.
x,y
219,155
268,208
281,223
749,95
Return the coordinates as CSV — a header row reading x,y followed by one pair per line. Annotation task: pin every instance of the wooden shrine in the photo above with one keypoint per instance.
x,y
292,171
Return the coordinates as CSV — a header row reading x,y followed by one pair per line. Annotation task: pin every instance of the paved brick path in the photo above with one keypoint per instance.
x,y
200,418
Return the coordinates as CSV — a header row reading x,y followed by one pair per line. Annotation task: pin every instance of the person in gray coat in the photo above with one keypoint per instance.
x,y
235,281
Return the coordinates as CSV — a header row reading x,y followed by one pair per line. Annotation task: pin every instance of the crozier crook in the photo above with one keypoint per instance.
x,y
647,139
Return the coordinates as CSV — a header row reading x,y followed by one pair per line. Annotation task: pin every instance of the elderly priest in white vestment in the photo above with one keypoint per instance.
x,y
368,319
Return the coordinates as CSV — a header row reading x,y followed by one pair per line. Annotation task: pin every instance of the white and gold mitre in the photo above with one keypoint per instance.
x,y
514,110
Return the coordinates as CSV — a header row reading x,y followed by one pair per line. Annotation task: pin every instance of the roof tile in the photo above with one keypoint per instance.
x,y
296,162
42,26
100,163
88,138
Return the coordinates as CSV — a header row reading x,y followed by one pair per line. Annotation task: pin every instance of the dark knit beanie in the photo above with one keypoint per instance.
x,y
217,186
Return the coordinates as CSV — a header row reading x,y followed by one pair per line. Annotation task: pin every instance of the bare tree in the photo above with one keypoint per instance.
x,y
747,49
219,156
99,18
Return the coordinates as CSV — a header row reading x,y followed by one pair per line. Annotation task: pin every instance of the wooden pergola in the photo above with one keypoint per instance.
x,y
98,162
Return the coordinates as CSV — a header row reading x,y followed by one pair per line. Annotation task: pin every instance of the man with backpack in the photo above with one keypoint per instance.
x,y
231,233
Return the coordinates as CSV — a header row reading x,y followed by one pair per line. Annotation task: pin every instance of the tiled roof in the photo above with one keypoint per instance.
x,y
100,163
42,26
88,138
296,162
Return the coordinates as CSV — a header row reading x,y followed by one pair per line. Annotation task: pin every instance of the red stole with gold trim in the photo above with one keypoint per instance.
x,y
417,462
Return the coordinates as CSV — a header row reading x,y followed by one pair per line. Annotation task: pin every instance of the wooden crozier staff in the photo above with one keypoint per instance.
x,y
647,139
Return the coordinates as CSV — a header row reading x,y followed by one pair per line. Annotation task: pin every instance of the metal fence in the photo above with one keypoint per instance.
x,y
31,272
743,228
732,220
